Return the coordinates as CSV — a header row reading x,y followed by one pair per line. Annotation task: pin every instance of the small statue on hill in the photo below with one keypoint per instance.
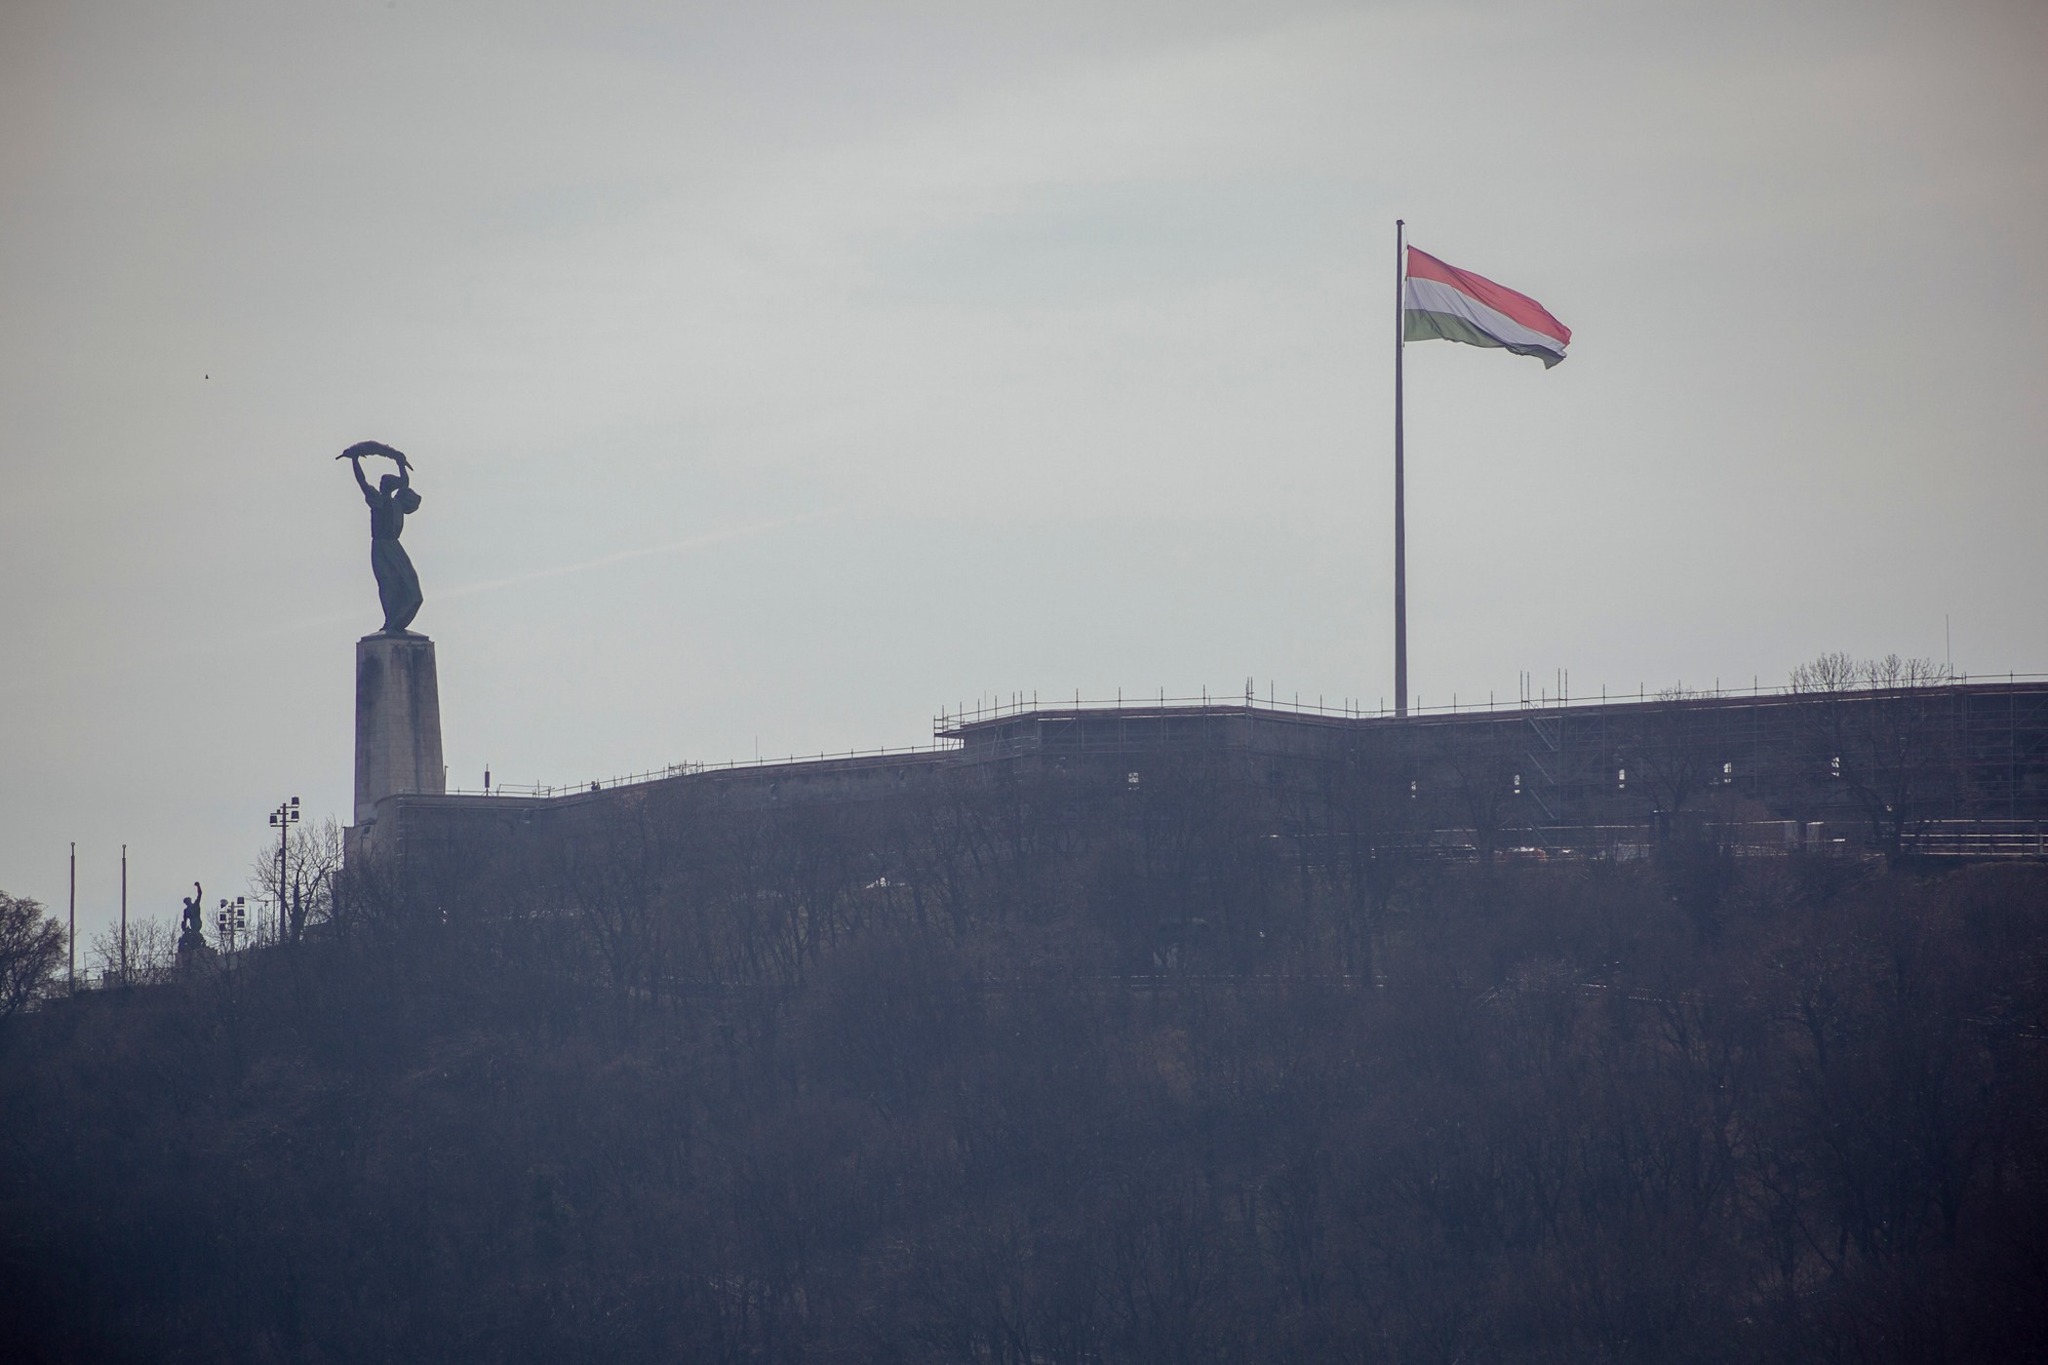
x,y
192,936
398,585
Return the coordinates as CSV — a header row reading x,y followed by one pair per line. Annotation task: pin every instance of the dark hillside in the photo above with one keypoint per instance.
x,y
764,1095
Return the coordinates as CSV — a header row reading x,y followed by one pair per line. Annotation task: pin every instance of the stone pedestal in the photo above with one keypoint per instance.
x,y
194,952
398,721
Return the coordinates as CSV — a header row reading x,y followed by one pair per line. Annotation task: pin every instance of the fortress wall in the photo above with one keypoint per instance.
x,y
1965,753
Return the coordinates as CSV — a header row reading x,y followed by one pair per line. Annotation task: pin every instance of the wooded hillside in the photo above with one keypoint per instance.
x,y
789,1091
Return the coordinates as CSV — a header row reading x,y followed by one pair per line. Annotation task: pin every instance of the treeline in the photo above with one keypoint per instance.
x,y
1062,1072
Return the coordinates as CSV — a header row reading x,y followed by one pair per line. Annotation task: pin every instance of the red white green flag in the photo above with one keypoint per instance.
x,y
1440,301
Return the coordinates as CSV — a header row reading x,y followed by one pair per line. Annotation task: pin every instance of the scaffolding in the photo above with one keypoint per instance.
x,y
1952,769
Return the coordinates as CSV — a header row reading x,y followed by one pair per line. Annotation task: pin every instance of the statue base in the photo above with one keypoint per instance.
x,y
193,950
398,721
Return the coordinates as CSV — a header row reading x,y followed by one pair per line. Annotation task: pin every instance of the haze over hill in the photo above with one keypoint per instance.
x,y
1042,1068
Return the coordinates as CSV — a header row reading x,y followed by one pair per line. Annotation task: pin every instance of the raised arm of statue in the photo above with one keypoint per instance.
x,y
356,463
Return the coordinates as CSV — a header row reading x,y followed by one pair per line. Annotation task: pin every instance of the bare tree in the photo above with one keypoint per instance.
x,y
312,861
1833,672
1879,730
1673,753
622,881
1356,825
152,951
31,945
1484,772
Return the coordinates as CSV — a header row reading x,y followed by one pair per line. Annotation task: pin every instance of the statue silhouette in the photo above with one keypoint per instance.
x,y
190,922
398,585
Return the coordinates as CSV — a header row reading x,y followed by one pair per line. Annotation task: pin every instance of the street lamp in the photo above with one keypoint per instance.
x,y
282,819
230,920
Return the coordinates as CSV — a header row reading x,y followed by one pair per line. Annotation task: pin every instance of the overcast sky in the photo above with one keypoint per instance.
x,y
778,374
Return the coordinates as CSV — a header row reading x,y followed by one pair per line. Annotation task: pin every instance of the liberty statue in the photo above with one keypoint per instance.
x,y
398,585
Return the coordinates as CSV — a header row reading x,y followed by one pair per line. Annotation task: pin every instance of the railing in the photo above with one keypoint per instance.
x,y
945,725
1016,704
1022,704
545,790
1977,839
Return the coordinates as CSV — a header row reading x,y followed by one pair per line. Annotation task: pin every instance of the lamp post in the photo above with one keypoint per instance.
x,y
282,819
231,919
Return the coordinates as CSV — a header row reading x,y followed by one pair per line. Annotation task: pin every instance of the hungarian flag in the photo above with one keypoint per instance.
x,y
1442,301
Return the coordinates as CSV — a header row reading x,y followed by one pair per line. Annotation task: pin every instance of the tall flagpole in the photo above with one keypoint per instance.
x,y
1400,489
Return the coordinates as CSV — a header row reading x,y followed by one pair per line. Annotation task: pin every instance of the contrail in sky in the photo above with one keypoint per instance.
x,y
697,542
689,543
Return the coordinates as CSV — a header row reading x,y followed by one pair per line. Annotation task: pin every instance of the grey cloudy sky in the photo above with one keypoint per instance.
x,y
780,373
